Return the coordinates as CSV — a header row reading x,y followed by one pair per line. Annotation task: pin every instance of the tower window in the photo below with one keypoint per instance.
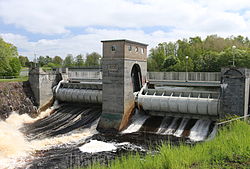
x,y
136,49
129,48
142,50
113,48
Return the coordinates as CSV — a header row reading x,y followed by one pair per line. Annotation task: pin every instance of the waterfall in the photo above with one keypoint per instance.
x,y
200,130
172,127
137,122
181,128
164,124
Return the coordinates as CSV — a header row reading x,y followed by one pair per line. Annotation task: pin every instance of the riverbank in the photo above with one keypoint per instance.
x,y
16,96
229,149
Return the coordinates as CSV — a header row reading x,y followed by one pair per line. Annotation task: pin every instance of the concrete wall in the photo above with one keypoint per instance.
x,y
85,74
192,76
235,91
42,82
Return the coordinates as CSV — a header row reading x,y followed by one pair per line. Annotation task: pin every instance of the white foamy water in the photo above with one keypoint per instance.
x,y
95,146
165,122
15,150
200,130
181,128
172,127
137,122
213,133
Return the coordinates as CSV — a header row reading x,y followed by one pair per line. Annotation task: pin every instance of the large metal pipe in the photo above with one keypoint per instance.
x,y
79,92
196,103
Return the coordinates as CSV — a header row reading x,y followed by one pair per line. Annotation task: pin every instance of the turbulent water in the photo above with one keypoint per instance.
x,y
65,136
22,138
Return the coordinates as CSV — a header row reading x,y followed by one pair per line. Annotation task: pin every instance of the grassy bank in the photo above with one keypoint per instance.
x,y
229,149
18,79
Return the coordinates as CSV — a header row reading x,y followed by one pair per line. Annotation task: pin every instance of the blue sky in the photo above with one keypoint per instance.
x,y
62,27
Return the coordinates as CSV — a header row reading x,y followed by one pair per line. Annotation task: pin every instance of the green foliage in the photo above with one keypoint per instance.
x,y
57,60
229,149
210,54
9,62
15,66
92,59
79,61
68,61
24,61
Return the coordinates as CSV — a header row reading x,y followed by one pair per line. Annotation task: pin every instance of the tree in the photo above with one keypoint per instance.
x,y
58,61
41,61
68,61
15,66
79,60
48,60
7,53
92,59
24,60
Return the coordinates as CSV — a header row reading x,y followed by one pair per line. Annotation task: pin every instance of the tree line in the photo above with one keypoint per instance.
x,y
92,59
11,63
195,54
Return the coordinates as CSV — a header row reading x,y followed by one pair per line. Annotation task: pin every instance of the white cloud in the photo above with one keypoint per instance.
x,y
127,19
52,17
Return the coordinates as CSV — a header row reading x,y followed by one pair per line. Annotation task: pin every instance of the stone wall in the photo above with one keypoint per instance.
x,y
18,97
235,91
41,85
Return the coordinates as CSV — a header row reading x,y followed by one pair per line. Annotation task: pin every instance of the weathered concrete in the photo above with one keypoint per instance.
x,y
235,91
42,82
181,76
117,96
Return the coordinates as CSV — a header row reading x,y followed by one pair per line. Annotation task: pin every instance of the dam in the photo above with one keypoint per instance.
x,y
80,107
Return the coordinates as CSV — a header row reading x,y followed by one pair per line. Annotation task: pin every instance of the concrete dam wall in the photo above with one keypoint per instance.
x,y
124,84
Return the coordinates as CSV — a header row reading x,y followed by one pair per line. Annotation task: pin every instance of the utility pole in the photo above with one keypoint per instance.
x,y
186,68
233,47
35,58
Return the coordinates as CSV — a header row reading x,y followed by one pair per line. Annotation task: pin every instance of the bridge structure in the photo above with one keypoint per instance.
x,y
122,83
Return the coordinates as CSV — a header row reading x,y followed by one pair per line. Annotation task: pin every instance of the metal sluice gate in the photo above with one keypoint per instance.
x,y
184,102
86,92
188,102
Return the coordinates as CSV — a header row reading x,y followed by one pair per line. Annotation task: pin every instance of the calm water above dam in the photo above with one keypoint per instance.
x,y
65,136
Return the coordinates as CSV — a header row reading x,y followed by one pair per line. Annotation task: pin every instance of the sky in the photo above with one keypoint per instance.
x,y
61,27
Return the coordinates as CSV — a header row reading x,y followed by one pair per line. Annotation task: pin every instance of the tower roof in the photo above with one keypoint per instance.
x,y
125,40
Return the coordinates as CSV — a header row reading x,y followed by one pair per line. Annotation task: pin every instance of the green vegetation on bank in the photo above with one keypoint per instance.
x,y
229,149
16,79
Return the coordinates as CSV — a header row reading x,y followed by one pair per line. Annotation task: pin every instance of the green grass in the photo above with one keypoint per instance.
x,y
229,149
18,79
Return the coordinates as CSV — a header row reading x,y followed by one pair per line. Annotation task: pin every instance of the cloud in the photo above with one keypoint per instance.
x,y
118,19
57,16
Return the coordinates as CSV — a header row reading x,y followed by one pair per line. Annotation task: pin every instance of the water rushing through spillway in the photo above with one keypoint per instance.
x,y
21,136
66,135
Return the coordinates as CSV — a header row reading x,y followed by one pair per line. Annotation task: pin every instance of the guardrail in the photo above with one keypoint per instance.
x,y
234,119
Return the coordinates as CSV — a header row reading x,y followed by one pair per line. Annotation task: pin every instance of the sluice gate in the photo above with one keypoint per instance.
x,y
88,92
184,102
123,86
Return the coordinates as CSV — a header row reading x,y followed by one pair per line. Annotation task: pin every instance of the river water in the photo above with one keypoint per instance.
x,y
65,136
